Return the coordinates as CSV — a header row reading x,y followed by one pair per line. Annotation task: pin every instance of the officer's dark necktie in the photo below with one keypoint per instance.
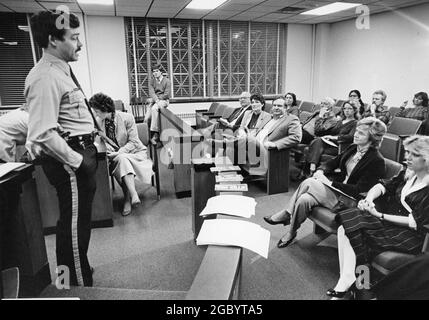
x,y
86,101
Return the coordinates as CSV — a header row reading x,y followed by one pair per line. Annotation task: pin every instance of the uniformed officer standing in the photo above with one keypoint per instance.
x,y
69,160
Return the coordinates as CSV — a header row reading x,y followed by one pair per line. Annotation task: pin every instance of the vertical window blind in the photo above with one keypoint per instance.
x,y
16,57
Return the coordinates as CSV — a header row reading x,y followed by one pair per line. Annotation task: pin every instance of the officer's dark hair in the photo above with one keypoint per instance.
x,y
44,24
102,102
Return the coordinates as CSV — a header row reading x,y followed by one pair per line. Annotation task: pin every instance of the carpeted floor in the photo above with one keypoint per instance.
x,y
151,253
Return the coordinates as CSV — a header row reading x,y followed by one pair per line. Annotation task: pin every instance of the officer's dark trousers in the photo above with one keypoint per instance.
x,y
75,192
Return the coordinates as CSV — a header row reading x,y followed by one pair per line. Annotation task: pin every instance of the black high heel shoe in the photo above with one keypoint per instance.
x,y
284,244
271,221
336,294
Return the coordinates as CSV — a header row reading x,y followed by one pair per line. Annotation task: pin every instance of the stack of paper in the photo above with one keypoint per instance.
x,y
228,178
229,187
233,205
225,168
229,232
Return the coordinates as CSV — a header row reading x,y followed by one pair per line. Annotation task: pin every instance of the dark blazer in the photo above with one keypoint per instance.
x,y
367,172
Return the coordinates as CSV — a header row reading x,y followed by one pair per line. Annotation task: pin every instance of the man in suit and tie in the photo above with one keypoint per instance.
x,y
215,133
234,120
283,130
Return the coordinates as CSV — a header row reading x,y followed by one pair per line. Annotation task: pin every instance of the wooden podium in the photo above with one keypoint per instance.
x,y
22,240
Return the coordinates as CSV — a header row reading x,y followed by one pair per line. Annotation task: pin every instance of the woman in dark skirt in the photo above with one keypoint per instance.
x,y
365,232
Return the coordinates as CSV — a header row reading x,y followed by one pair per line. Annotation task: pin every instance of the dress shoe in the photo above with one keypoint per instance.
x,y
271,221
336,294
284,244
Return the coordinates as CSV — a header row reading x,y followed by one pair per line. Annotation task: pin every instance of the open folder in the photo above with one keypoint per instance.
x,y
230,232
234,205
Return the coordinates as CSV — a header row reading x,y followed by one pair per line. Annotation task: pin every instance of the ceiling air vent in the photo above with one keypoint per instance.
x,y
289,10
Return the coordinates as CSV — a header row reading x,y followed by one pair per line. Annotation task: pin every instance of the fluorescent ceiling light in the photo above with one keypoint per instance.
x,y
102,2
331,8
205,4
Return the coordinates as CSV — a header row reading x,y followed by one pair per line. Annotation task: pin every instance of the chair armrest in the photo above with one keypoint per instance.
x,y
403,136
215,117
201,110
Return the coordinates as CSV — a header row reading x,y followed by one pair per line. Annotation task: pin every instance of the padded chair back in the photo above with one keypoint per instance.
x,y
404,126
220,109
213,107
390,147
227,112
143,132
298,103
304,115
394,110
268,106
306,106
119,105
392,168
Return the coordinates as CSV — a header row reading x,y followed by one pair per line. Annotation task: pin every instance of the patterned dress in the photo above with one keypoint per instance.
x,y
370,236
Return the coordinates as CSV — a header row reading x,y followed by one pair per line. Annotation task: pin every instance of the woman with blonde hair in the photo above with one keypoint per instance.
x,y
361,166
366,232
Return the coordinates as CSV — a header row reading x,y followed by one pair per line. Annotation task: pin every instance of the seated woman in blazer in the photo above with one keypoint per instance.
x,y
127,155
361,167
365,232
341,137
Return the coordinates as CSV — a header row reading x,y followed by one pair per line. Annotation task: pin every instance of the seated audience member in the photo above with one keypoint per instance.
x,y
377,108
159,91
13,132
355,99
320,123
340,139
127,155
229,125
253,120
234,120
366,232
361,167
280,132
291,105
418,110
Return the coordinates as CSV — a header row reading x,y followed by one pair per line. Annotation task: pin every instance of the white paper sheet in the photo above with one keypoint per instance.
x,y
7,167
234,205
229,178
230,232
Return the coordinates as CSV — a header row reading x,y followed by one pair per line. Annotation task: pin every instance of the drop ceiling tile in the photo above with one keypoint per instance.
x,y
52,5
22,5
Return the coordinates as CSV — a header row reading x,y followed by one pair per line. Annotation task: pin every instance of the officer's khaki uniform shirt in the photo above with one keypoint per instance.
x,y
53,98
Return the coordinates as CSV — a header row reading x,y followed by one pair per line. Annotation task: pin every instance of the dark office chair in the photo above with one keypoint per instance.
x,y
143,132
119,105
306,106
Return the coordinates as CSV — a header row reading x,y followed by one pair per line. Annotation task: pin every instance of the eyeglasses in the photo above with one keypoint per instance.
x,y
353,95
278,105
